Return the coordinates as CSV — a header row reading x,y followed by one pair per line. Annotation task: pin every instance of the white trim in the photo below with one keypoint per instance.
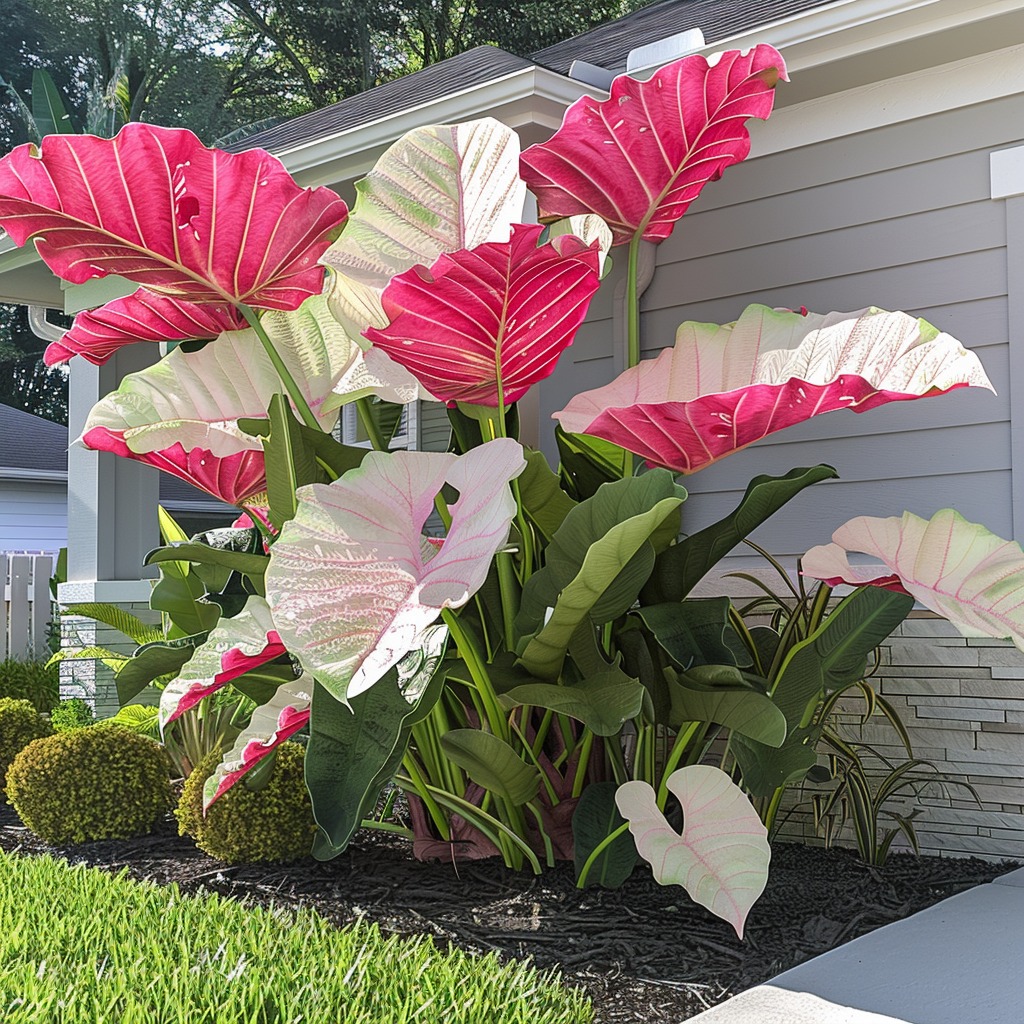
x,y
105,592
1006,171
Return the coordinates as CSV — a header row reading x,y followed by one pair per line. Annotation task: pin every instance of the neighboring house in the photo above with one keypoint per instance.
x,y
891,173
34,488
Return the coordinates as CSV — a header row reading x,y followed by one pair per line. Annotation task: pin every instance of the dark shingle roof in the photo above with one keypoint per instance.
x,y
474,67
608,45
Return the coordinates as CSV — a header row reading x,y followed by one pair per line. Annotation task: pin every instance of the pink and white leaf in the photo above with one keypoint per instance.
x,y
235,646
156,206
720,859
352,586
143,316
504,311
954,567
438,189
639,158
271,724
721,388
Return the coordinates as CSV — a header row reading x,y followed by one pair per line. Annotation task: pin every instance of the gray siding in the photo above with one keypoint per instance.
x,y
434,427
33,516
898,217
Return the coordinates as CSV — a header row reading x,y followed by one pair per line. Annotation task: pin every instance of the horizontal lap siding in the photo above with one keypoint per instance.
x,y
33,517
899,217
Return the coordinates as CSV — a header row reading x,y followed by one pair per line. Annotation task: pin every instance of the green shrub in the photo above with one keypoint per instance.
x,y
272,824
71,714
89,784
20,724
34,681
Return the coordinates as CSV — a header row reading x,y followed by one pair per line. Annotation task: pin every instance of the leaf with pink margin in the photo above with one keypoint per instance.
x,y
438,189
156,206
502,311
181,414
285,714
639,158
142,316
721,858
235,646
956,568
351,585
722,388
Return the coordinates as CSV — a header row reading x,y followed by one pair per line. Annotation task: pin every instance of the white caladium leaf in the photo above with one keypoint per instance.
x,y
438,189
589,228
721,388
270,725
954,567
234,647
721,858
351,584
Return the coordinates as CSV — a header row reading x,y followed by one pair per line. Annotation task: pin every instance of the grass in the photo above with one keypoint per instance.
x,y
78,945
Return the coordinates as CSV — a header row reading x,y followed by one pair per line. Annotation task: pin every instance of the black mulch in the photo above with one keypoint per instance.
x,y
643,952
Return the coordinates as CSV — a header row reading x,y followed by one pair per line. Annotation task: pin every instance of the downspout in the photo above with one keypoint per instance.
x,y
41,327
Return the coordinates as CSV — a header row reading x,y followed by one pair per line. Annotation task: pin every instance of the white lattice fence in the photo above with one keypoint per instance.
x,y
25,612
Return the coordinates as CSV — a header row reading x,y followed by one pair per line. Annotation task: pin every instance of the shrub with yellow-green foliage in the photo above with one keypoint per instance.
x,y
20,724
87,784
274,823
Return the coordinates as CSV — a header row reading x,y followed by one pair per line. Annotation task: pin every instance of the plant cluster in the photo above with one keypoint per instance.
x,y
73,713
208,958
20,724
539,679
273,822
35,681
89,784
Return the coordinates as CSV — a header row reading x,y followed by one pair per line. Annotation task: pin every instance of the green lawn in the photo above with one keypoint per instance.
x,y
78,946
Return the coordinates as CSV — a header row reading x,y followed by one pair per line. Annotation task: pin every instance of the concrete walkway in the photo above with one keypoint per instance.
x,y
958,962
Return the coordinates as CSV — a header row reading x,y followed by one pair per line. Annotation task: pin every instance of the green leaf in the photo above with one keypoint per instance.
x,y
354,750
742,710
467,428
254,566
588,462
681,567
289,462
336,457
48,110
694,632
594,819
545,503
766,769
180,597
602,703
490,762
140,718
123,621
152,661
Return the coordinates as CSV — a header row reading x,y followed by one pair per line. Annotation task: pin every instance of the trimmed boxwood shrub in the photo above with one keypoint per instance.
x,y
274,823
88,784
20,724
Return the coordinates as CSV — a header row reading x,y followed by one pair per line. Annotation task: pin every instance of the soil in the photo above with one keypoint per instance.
x,y
643,952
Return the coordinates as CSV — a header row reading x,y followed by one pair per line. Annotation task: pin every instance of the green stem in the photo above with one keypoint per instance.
x,y
682,741
477,668
633,303
366,418
528,750
597,851
581,765
387,826
415,781
549,852
508,585
297,397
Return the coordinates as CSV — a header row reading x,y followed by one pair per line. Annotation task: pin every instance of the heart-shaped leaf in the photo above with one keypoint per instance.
x,y
639,158
156,206
490,762
351,584
740,709
954,567
722,388
721,858
483,325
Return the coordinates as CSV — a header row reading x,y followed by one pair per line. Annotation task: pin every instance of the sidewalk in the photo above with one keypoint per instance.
x,y
958,962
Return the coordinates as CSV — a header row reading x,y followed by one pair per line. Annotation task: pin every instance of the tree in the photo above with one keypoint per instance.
x,y
26,382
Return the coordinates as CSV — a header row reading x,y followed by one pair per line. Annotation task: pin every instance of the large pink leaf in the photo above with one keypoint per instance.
x,y
143,316
721,858
156,206
952,566
351,583
640,158
235,646
503,311
722,388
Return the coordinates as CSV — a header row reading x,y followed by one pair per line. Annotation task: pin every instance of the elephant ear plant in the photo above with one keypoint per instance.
x,y
517,648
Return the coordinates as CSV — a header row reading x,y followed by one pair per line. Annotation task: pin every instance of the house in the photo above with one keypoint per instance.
x,y
891,173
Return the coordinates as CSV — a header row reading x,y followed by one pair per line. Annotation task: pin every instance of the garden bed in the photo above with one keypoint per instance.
x,y
643,952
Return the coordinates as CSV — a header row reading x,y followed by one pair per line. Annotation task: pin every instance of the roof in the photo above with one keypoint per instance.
x,y
608,45
474,67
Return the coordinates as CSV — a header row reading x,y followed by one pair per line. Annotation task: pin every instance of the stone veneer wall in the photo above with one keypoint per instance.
x,y
962,701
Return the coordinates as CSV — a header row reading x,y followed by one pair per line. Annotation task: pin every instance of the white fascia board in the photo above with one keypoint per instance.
x,y
529,96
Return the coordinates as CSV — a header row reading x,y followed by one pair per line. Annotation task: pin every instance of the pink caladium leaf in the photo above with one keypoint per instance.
x,y
271,724
954,567
639,158
181,414
235,646
722,388
158,207
499,314
143,316
721,858
351,584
